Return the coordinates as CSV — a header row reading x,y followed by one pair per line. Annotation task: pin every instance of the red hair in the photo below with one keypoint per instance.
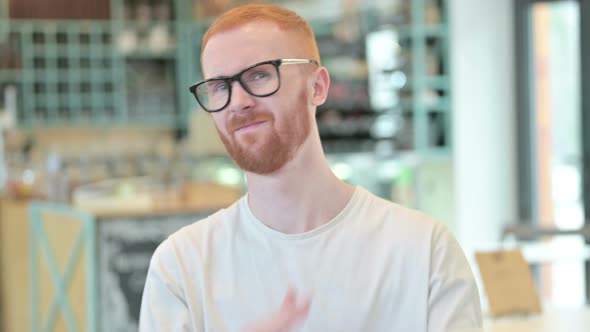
x,y
284,18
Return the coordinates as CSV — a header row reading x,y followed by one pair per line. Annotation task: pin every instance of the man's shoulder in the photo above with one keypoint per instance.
x,y
203,231
392,212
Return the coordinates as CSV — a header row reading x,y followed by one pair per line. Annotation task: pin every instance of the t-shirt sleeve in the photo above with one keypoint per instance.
x,y
163,305
453,299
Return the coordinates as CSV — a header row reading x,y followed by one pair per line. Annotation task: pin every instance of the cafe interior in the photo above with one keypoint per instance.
x,y
474,112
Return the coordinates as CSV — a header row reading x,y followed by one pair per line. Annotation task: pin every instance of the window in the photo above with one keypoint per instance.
x,y
551,117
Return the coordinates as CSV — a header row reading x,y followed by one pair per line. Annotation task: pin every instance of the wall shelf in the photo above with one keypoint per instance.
x,y
75,72
72,70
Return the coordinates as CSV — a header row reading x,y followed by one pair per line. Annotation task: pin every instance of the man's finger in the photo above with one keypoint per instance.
x,y
289,315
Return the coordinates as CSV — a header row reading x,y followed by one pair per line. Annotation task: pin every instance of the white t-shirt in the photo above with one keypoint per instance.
x,y
376,266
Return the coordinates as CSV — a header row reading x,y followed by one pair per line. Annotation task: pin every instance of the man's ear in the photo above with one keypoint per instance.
x,y
321,85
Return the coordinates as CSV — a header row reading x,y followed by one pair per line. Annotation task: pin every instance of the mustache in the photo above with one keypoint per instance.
x,y
240,120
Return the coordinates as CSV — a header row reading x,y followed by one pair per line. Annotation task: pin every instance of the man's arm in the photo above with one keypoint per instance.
x,y
163,305
453,298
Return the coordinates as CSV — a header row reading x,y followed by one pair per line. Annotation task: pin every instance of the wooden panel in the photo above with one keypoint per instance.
x,y
60,9
14,269
46,291
60,325
14,266
62,233
77,293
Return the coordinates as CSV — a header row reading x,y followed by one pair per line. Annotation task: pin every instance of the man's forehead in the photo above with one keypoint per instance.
x,y
234,59
228,52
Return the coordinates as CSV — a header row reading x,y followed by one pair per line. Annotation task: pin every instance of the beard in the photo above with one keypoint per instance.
x,y
277,145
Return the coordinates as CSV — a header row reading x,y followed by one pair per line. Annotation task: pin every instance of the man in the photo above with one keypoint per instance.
x,y
302,250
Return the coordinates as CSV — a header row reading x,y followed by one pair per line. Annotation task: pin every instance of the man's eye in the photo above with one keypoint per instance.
x,y
220,87
259,75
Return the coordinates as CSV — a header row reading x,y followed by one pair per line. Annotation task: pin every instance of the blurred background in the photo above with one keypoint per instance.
x,y
471,111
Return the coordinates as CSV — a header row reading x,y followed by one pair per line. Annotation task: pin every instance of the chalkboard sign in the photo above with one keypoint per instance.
x,y
125,247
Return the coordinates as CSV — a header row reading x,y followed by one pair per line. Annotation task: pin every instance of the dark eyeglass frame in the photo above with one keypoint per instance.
x,y
238,77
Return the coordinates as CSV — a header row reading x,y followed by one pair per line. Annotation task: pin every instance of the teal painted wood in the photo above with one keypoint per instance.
x,y
92,88
182,60
25,31
91,273
446,60
73,74
421,82
84,243
4,20
60,281
187,55
181,12
117,13
188,69
35,311
419,75
181,74
65,73
10,75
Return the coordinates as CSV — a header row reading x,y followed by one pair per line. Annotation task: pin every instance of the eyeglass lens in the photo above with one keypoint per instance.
x,y
259,81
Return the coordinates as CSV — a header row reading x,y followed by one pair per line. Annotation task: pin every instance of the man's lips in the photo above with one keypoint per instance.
x,y
250,126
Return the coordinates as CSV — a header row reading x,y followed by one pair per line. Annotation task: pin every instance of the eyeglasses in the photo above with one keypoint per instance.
x,y
259,80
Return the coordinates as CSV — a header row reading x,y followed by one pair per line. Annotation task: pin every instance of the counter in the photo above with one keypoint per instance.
x,y
551,320
63,267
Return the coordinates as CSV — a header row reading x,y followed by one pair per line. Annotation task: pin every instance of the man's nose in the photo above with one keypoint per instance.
x,y
240,98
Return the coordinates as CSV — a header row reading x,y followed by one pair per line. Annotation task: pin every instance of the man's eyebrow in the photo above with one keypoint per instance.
x,y
229,76
219,77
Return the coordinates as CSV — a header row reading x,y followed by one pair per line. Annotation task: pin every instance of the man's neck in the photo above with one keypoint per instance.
x,y
301,196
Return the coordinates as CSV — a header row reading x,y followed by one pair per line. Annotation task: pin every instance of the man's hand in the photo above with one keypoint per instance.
x,y
287,317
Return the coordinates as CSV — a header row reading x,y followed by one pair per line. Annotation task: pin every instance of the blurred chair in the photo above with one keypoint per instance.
x,y
530,236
